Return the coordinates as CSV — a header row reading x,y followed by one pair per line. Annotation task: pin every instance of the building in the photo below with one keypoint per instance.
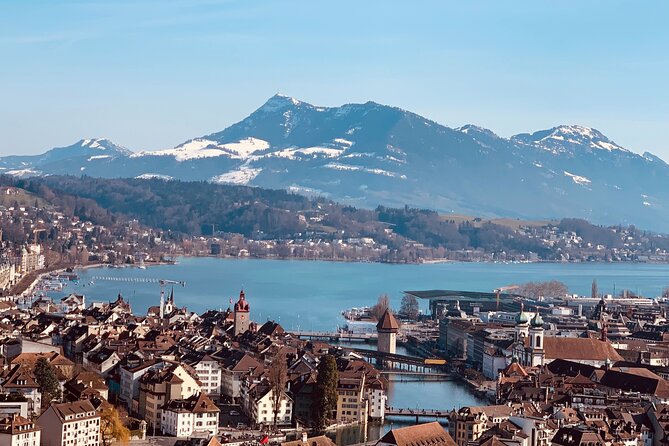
x,y
185,417
158,386
420,434
130,374
258,404
70,424
233,368
241,321
208,371
469,423
387,329
16,430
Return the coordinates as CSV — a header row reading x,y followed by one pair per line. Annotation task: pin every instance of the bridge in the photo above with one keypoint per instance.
x,y
344,336
437,414
393,362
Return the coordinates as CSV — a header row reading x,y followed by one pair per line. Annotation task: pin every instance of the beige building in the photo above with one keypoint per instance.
x,y
70,424
157,387
352,405
16,430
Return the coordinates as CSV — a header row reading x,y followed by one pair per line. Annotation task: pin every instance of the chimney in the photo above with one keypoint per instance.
x,y
304,436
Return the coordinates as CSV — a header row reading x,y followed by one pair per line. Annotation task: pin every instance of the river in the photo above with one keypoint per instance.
x,y
310,295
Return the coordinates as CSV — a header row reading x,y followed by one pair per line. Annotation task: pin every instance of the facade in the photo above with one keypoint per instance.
x,y
469,423
70,424
185,417
208,372
129,383
241,315
16,430
258,404
158,386
352,406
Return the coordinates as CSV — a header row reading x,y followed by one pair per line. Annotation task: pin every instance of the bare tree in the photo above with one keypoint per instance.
x,y
535,290
278,376
381,306
409,308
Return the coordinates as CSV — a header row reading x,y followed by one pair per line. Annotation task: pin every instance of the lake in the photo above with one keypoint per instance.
x,y
310,295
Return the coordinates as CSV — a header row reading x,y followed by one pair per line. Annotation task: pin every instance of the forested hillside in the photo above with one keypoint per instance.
x,y
203,208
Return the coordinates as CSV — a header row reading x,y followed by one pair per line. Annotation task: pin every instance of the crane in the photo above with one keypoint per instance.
x,y
499,290
161,282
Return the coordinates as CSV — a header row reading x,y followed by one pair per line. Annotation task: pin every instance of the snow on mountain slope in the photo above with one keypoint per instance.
x,y
203,148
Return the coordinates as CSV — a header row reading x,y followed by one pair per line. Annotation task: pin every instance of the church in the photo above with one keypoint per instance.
x,y
531,348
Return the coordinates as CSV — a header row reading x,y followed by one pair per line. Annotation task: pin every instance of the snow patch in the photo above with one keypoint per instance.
x,y
349,167
205,148
98,157
23,172
151,176
583,181
243,175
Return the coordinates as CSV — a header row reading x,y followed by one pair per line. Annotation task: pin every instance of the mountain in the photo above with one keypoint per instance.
x,y
369,154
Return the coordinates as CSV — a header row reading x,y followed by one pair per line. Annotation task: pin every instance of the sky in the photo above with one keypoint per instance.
x,y
153,74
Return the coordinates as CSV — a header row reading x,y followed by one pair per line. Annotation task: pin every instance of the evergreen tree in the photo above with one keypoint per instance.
x,y
47,380
325,397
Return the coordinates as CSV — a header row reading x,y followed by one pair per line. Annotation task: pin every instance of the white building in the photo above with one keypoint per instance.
x,y
130,375
208,372
70,424
183,418
258,404
19,431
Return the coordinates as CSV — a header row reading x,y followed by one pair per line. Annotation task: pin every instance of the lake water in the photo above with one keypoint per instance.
x,y
310,295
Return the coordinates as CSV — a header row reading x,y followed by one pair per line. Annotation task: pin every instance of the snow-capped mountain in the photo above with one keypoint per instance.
x,y
370,154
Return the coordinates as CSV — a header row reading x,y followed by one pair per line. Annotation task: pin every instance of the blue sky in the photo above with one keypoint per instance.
x,y
152,74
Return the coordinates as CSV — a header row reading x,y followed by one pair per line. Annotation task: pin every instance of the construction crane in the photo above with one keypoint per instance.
x,y
499,290
161,282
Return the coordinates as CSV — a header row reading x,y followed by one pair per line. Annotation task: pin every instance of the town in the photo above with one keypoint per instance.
x,y
565,370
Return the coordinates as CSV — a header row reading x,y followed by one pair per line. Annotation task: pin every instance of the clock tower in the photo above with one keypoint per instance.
x,y
241,315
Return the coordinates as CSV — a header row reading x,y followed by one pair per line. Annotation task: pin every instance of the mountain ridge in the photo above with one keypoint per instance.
x,y
368,154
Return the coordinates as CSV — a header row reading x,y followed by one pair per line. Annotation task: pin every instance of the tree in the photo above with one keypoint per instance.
x,y
278,375
595,290
325,394
381,306
409,308
112,428
49,387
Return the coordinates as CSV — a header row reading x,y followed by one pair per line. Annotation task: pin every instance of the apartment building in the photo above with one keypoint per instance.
x,y
70,424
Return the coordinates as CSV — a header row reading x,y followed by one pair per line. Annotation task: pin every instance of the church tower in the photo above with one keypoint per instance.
x,y
241,315
387,329
169,305
536,334
522,324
